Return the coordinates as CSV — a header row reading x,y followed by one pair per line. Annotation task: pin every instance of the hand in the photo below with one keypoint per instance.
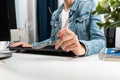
x,y
69,42
23,44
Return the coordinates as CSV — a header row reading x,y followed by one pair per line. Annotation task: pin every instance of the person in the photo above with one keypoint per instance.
x,y
81,35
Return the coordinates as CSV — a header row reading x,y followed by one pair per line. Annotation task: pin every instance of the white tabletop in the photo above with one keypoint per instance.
x,y
39,67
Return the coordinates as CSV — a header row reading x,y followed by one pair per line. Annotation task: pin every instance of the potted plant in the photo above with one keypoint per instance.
x,y
111,11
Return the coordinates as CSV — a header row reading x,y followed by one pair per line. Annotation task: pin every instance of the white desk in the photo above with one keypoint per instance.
x,y
38,67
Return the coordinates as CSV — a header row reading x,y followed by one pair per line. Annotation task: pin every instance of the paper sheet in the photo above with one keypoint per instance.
x,y
117,38
1,62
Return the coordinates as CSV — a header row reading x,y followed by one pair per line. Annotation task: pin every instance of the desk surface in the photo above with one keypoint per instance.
x,y
39,67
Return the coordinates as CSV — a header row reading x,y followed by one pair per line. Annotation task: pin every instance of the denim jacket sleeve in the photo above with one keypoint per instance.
x,y
97,39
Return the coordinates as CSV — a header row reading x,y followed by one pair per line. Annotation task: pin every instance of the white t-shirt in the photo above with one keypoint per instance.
x,y
65,16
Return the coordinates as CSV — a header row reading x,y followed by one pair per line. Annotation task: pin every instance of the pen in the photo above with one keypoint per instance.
x,y
67,24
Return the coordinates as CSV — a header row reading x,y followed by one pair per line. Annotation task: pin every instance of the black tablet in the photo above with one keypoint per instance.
x,y
47,50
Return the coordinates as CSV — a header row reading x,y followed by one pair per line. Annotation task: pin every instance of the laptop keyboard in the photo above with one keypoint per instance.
x,y
47,50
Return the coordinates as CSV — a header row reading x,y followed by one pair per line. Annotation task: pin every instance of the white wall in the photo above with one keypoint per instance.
x,y
118,37
21,12
26,20
31,6
22,15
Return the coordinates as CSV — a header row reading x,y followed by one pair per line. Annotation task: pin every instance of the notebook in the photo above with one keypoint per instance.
x,y
110,54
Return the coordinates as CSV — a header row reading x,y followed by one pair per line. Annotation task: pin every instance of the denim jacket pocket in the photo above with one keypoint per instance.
x,y
82,22
81,26
82,18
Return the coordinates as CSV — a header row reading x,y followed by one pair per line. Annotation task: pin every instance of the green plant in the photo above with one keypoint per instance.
x,y
111,11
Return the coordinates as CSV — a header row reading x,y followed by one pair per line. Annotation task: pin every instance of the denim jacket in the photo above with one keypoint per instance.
x,y
83,24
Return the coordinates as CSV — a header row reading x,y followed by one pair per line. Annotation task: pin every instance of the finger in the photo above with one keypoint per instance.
x,y
72,47
17,44
68,43
64,32
61,41
61,31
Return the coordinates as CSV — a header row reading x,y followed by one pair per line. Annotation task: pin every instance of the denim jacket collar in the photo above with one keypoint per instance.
x,y
75,5
73,8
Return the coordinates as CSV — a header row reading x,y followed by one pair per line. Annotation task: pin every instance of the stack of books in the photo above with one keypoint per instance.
x,y
110,54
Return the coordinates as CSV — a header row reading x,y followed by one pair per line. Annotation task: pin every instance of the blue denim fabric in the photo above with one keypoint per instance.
x,y
83,24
